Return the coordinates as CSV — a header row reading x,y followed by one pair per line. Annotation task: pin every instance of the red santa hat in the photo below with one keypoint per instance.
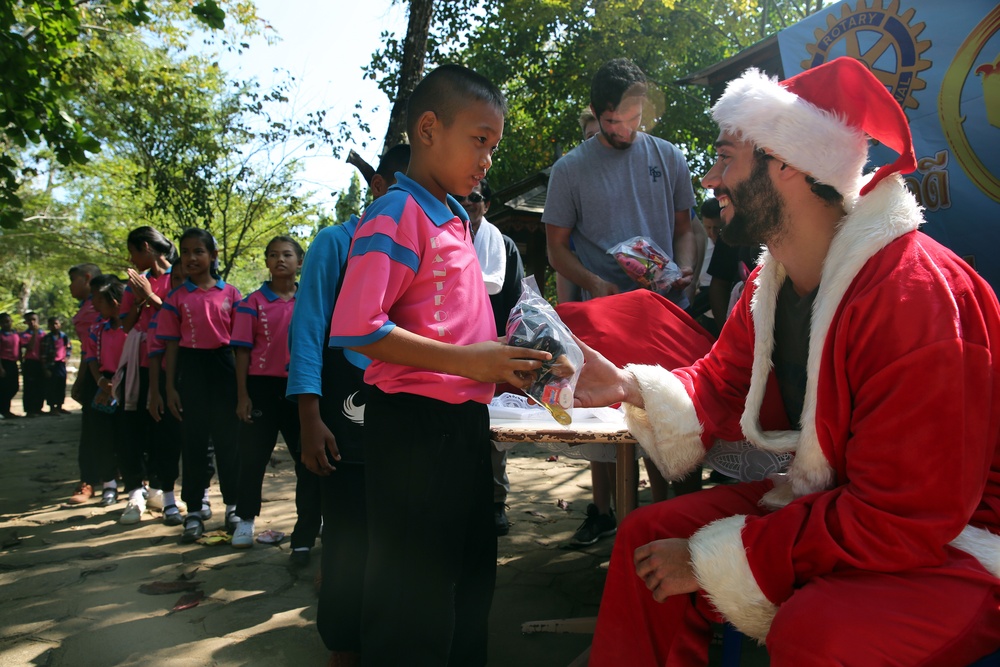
x,y
818,122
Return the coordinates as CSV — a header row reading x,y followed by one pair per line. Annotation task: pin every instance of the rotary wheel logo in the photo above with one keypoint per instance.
x,y
881,38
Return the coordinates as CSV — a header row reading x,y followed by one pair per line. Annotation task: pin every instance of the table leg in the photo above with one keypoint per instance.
x,y
626,479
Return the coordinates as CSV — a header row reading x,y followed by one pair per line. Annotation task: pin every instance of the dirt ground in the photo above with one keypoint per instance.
x,y
70,574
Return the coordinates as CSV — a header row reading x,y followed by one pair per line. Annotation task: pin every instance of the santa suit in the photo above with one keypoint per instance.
x,y
882,544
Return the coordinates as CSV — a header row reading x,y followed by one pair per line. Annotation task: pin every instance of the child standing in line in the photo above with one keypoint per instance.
x,y
84,388
31,366
10,352
151,253
56,348
414,301
329,386
260,336
195,322
166,455
102,354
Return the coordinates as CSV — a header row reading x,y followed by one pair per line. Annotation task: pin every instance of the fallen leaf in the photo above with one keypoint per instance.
x,y
562,504
552,458
643,483
189,575
11,540
188,601
108,567
215,538
168,587
535,513
270,537
156,539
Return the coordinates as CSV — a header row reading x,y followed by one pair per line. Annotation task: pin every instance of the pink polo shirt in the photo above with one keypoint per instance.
x,y
85,318
60,347
106,346
412,265
261,323
10,345
198,318
31,344
161,287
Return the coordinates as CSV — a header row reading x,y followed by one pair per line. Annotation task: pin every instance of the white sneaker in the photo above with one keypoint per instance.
x,y
133,512
243,535
154,499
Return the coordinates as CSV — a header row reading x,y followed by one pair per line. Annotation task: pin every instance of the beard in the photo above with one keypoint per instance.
x,y
758,210
618,144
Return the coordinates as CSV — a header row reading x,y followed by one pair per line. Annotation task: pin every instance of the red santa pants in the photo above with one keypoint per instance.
x,y
947,615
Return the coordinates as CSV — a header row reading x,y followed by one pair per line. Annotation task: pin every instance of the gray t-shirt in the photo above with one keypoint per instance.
x,y
607,196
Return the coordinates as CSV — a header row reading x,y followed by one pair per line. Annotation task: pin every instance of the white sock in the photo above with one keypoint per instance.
x,y
111,485
301,549
137,497
168,498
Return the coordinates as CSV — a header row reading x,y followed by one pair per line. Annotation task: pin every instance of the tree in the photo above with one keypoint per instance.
x,y
41,41
350,201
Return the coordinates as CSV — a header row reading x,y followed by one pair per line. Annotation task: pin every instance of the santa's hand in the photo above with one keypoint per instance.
x,y
665,567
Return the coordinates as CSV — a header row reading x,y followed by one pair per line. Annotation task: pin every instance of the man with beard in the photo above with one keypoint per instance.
x,y
621,184
881,543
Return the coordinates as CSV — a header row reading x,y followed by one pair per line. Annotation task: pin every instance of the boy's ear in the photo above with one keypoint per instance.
x,y
426,126
378,186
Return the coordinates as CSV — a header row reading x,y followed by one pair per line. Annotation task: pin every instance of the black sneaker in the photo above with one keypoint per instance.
x,y
109,497
299,558
594,527
500,521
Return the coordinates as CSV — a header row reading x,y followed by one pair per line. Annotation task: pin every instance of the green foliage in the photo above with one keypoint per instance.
x,y
350,201
42,44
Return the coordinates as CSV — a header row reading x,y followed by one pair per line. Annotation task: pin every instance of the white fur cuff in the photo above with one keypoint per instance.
x,y
668,428
721,566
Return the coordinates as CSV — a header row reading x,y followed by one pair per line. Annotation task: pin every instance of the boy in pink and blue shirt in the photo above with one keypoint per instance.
x,y
31,366
414,301
56,348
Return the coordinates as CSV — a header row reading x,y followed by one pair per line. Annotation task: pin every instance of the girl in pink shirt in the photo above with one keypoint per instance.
x,y
195,322
10,352
260,336
151,253
33,396
101,355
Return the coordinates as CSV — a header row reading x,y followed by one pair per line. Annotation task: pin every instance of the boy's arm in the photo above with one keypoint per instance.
x,y
489,361
173,400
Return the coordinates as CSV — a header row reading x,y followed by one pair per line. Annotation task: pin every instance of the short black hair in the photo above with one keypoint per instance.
x,y
710,208
615,80
395,159
85,269
485,190
448,89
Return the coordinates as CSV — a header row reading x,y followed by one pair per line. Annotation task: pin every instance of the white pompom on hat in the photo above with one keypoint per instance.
x,y
819,121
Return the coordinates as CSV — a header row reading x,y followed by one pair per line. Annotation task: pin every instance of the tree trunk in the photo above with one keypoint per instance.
x,y
411,70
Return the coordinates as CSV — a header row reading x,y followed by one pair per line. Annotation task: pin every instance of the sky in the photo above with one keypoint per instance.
x,y
324,44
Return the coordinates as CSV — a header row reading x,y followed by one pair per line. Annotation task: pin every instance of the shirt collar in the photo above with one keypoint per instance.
x,y
436,211
190,286
268,293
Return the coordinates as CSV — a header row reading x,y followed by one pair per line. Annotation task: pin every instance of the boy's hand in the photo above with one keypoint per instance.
x,y
155,405
602,383
174,404
244,406
317,440
496,362
76,391
665,568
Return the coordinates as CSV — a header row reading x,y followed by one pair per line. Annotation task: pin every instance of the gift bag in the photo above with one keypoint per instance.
x,y
534,324
644,262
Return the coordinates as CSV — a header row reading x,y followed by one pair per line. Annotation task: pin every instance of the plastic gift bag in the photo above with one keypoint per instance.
x,y
644,262
533,323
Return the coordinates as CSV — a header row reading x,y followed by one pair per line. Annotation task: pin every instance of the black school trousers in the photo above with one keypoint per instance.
x,y
432,546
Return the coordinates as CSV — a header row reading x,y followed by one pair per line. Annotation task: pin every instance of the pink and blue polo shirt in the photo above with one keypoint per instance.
x,y
86,317
31,345
261,323
106,343
413,265
10,345
59,345
161,287
197,318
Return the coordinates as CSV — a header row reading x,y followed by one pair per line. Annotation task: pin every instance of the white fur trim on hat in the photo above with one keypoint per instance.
x,y
811,139
723,572
668,428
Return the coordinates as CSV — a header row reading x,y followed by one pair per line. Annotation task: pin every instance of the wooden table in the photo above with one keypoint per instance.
x,y
546,429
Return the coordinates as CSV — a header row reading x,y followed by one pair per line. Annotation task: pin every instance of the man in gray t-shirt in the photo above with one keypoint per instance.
x,y
619,184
